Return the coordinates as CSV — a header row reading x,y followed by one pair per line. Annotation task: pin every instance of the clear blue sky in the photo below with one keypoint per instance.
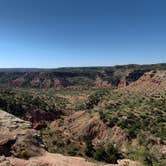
x,y
56,33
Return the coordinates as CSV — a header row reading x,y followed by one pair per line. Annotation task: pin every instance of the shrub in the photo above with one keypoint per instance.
x,y
110,154
95,98
72,152
24,154
89,149
100,154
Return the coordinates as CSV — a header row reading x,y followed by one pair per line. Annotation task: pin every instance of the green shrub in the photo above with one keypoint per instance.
x,y
110,154
24,154
89,149
95,98
72,152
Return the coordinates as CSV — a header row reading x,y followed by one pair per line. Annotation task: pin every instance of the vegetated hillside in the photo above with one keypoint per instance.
x,y
75,77
35,106
116,123
101,123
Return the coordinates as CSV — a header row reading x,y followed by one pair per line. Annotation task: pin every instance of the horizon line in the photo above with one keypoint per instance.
x,y
45,68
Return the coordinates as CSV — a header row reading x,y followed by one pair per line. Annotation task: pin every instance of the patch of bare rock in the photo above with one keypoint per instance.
x,y
151,81
60,160
17,138
82,125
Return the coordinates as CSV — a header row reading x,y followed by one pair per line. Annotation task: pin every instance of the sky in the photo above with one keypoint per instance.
x,y
70,33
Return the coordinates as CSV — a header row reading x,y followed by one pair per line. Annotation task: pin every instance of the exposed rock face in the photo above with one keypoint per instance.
x,y
83,126
122,84
18,82
118,136
35,82
155,77
74,77
5,162
59,160
17,138
100,83
58,84
154,81
37,118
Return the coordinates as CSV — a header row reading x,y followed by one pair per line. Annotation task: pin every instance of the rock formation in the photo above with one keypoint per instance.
x,y
17,138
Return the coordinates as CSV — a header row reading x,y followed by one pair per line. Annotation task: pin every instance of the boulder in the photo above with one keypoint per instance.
x,y
18,138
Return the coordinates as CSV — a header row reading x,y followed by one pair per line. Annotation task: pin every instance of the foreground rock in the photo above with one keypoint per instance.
x,y
4,161
60,160
17,138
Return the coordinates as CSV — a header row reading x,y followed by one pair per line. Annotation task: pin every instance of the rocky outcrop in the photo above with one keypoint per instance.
x,y
100,83
49,159
5,162
18,82
82,125
150,82
17,138
122,84
39,118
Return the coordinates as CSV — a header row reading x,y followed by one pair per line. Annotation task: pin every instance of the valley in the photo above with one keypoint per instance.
x,y
106,115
